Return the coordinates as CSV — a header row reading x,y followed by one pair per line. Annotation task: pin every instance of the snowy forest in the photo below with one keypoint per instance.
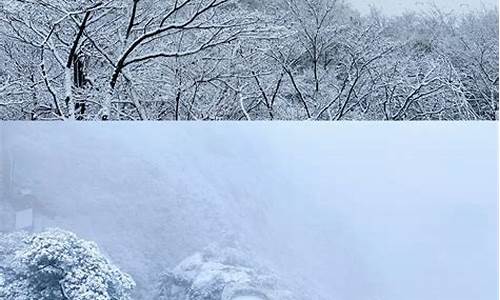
x,y
244,60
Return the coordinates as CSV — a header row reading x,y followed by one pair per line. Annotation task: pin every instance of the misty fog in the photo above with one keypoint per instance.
x,y
349,211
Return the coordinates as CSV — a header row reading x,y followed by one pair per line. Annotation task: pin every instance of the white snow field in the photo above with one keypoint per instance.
x,y
348,211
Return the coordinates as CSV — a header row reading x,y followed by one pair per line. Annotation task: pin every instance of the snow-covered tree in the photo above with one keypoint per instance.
x,y
56,264
243,59
221,273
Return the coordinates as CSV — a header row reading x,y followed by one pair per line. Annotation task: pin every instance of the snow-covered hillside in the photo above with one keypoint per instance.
x,y
346,211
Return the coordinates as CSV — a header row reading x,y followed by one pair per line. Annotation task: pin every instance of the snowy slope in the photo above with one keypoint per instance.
x,y
349,211
149,201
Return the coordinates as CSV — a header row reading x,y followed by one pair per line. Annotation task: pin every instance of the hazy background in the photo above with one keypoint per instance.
x,y
351,211
396,7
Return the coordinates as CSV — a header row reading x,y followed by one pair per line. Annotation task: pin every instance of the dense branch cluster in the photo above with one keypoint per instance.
x,y
56,265
243,60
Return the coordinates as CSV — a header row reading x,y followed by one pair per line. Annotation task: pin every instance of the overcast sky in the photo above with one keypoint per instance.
x,y
399,6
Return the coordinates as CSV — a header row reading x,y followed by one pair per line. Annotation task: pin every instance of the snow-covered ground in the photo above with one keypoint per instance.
x,y
351,211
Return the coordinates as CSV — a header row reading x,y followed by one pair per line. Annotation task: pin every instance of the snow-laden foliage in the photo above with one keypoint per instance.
x,y
55,264
9,245
243,59
221,273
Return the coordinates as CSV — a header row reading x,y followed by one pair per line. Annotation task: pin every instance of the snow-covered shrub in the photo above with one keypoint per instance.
x,y
220,274
56,264
9,245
